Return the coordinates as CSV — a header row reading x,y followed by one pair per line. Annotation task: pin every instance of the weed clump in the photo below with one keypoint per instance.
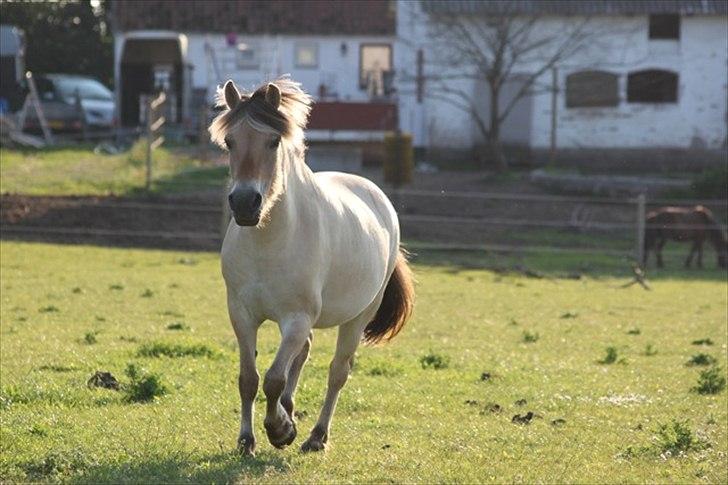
x,y
147,293
434,361
90,338
178,326
529,337
611,356
676,437
650,350
634,331
710,381
164,349
701,359
144,386
703,341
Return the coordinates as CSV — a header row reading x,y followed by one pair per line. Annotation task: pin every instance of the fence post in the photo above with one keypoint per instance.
x,y
640,253
150,135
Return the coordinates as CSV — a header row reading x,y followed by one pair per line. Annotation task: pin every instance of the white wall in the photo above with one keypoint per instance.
x,y
698,119
620,45
277,58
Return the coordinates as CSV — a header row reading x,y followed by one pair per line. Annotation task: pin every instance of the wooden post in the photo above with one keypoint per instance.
x,y
554,113
640,253
150,136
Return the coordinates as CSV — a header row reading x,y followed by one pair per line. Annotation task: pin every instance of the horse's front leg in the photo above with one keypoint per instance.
x,y
246,331
289,391
346,345
700,254
279,425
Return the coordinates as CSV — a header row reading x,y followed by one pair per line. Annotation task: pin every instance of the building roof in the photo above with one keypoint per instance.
x,y
576,7
302,17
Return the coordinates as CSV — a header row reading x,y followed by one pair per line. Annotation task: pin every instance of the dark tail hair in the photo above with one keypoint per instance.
x,y
396,306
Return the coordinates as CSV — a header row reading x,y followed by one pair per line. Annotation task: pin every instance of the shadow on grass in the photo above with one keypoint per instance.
x,y
224,467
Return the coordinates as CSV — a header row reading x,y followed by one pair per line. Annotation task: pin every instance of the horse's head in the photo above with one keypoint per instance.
x,y
262,132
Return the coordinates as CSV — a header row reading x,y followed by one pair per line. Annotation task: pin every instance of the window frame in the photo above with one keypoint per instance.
x,y
244,66
672,75
607,102
656,27
303,45
362,46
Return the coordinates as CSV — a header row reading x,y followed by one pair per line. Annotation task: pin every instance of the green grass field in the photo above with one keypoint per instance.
x,y
416,410
77,170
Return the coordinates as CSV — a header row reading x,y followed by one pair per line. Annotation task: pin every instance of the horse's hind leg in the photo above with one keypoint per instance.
x,y
346,345
279,426
693,250
292,381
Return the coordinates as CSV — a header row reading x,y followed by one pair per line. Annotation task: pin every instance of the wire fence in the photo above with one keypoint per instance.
x,y
621,230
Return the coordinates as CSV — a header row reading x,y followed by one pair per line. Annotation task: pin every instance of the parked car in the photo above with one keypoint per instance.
x,y
58,95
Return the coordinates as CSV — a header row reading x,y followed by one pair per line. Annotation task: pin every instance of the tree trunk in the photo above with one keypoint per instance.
x,y
494,143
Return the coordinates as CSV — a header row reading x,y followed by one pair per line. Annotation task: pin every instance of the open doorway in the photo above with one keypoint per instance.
x,y
150,65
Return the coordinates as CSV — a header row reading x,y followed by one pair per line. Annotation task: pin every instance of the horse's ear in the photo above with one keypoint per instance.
x,y
273,95
232,95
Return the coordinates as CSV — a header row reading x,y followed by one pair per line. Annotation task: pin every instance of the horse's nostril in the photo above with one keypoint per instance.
x,y
257,200
230,198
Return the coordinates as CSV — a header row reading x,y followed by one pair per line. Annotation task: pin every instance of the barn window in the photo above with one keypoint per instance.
x,y
307,55
652,86
591,89
665,27
247,56
374,61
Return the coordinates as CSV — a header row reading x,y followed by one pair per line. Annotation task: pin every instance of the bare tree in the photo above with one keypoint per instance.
x,y
496,50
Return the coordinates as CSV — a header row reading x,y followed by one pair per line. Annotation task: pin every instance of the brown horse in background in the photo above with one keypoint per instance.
x,y
684,224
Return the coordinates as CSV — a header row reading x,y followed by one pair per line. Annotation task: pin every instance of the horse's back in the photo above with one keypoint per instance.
x,y
349,187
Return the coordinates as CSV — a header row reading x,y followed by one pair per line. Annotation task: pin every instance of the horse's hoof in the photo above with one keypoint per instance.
x,y
246,445
313,444
317,440
282,438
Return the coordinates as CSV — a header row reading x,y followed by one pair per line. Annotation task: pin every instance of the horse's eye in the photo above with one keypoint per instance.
x,y
274,144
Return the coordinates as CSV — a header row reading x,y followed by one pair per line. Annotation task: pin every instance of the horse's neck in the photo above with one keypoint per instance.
x,y
298,190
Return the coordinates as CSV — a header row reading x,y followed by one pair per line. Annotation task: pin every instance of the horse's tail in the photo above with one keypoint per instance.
x,y
396,306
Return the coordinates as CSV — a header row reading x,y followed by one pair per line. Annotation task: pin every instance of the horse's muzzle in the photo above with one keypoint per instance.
x,y
245,205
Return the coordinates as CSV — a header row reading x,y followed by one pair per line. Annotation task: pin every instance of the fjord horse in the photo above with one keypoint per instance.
x,y
684,224
306,250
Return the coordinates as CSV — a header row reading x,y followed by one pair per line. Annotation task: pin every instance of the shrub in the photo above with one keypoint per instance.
x,y
144,387
710,381
434,361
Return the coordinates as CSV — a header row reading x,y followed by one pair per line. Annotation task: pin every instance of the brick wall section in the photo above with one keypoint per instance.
x,y
302,17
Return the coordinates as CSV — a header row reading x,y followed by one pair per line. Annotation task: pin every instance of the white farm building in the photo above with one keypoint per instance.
x,y
648,86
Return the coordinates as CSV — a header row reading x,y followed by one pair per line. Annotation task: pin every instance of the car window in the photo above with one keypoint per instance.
x,y
87,88
45,89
